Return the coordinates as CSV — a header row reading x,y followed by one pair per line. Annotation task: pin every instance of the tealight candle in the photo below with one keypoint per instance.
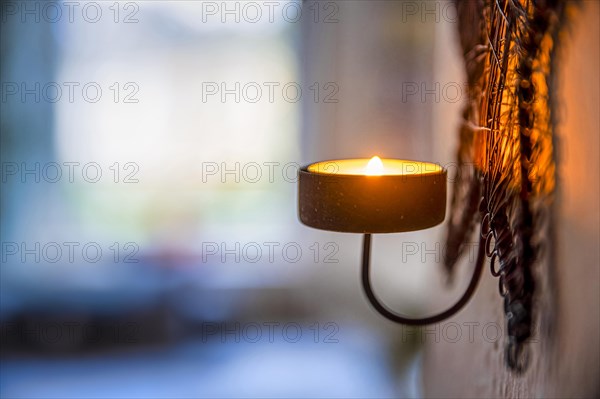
x,y
372,195
374,167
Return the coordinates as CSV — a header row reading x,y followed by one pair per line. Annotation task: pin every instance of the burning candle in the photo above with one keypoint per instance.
x,y
372,195
374,167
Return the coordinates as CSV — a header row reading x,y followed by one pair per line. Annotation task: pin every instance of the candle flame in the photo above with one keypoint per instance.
x,y
374,167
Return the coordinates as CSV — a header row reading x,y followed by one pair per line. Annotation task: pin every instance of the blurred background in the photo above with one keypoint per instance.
x,y
150,240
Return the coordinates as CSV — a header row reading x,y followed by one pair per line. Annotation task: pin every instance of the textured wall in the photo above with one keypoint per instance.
x,y
564,356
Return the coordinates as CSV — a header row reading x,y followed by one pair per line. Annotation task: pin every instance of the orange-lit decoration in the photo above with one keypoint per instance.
x,y
507,133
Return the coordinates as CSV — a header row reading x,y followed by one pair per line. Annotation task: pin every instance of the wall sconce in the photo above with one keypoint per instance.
x,y
378,196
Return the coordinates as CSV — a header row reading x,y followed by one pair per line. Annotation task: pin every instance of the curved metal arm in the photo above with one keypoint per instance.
x,y
384,311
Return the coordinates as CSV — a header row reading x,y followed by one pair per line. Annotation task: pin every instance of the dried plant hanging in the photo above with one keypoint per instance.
x,y
507,133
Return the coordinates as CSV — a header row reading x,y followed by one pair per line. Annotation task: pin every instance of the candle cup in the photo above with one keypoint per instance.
x,y
334,196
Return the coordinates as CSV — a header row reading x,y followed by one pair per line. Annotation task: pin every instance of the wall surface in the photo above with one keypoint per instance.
x,y
464,355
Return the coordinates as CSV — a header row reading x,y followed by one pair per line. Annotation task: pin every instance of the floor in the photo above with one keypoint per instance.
x,y
356,366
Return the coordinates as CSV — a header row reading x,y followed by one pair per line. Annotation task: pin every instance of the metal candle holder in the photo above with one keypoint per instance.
x,y
374,196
